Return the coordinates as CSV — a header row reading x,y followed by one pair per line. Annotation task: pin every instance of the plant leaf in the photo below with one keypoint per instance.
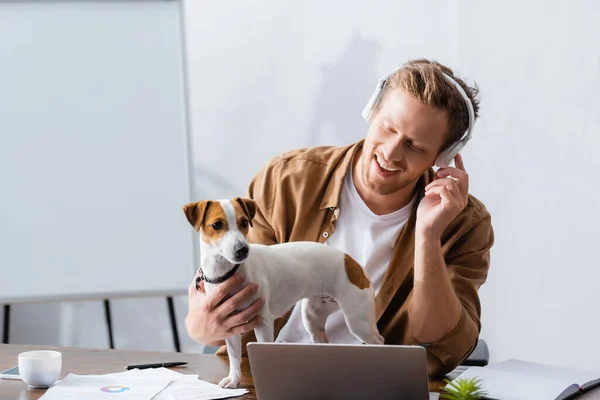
x,y
463,389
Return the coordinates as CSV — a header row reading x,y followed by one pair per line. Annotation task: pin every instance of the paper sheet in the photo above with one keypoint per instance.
x,y
200,390
147,384
100,388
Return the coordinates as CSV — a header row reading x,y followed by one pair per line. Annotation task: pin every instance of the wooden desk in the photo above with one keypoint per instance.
x,y
210,368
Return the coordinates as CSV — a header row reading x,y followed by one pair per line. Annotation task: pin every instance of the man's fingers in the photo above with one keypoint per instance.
x,y
440,182
458,161
448,196
220,292
192,288
447,192
200,285
247,314
451,172
461,177
234,302
248,326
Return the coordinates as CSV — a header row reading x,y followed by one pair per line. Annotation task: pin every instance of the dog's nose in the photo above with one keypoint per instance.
x,y
241,251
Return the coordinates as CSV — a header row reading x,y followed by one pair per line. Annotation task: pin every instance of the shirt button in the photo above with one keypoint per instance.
x,y
325,234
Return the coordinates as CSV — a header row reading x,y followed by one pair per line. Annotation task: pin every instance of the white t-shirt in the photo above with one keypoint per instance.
x,y
369,239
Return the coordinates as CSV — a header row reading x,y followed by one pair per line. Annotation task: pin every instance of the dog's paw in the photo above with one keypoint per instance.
x,y
229,382
377,339
320,336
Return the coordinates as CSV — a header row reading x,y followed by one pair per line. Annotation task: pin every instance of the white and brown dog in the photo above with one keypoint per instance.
x,y
285,273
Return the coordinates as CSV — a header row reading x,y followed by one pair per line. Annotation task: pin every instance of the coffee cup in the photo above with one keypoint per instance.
x,y
40,368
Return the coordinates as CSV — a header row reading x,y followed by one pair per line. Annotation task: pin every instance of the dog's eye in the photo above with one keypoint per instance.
x,y
244,223
217,225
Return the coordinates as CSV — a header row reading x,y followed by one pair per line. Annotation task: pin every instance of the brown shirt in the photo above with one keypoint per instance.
x,y
298,194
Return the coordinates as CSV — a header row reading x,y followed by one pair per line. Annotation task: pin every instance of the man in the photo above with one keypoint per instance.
x,y
423,239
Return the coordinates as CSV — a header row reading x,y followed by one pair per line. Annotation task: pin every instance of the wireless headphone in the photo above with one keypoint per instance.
x,y
444,158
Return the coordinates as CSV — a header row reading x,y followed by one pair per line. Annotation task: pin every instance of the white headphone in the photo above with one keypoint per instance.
x,y
444,158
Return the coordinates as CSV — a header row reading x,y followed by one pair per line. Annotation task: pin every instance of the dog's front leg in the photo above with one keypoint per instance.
x,y
234,352
265,332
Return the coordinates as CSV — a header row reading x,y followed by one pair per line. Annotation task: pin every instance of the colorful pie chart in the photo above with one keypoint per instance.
x,y
114,389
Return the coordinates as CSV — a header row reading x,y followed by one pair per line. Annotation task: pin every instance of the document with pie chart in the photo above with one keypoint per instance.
x,y
77,387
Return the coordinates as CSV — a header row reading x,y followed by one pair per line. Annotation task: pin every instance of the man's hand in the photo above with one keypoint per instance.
x,y
444,199
213,317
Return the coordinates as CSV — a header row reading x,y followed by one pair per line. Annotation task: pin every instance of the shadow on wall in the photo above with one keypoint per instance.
x,y
347,85
208,181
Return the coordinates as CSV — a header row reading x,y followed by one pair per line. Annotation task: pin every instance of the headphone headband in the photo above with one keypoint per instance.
x,y
447,155
470,109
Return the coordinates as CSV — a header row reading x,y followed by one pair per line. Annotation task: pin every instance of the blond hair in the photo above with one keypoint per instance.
x,y
424,80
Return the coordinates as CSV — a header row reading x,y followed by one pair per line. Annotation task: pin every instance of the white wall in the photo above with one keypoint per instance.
x,y
268,76
532,165
280,75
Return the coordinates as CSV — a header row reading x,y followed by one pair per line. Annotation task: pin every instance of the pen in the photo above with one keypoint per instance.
x,y
156,365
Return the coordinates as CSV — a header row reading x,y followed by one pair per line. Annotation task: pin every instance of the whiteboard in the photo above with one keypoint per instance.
x,y
94,154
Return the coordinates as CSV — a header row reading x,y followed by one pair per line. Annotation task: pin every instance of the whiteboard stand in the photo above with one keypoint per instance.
x,y
107,315
111,342
173,320
6,325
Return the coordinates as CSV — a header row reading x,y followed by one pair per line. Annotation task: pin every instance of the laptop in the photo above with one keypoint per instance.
x,y
338,371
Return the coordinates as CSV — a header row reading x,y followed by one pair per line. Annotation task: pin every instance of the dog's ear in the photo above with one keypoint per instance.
x,y
196,212
249,207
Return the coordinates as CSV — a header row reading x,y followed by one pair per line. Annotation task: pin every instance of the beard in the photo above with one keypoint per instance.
x,y
376,184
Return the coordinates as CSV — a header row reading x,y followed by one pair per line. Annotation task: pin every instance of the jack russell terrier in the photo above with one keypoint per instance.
x,y
285,273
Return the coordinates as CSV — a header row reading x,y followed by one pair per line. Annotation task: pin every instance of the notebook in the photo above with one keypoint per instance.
x,y
523,380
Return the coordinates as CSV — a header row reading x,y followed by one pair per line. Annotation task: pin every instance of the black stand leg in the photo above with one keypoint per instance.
x,y
6,323
109,323
173,323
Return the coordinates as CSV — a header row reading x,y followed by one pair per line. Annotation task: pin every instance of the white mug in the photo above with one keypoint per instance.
x,y
40,368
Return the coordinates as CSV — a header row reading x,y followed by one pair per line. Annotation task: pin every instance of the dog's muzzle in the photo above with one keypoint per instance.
x,y
241,252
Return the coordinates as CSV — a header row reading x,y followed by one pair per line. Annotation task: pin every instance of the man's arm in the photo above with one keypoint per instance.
x,y
445,307
445,310
444,289
435,308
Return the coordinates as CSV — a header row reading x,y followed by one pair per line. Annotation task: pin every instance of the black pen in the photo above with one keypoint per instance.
x,y
156,365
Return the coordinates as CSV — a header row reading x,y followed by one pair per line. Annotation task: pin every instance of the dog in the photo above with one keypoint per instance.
x,y
286,273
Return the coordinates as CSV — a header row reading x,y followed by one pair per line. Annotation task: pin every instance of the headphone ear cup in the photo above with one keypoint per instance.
x,y
444,159
368,110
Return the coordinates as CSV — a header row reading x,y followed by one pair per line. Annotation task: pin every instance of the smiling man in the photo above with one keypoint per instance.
x,y
423,239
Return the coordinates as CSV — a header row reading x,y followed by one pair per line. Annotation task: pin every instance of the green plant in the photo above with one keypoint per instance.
x,y
463,389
